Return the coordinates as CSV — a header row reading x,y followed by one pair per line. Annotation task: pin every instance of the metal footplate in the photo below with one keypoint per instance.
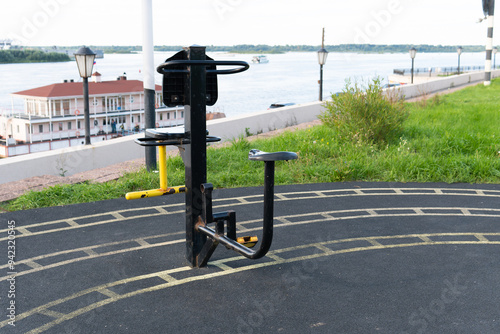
x,y
271,156
169,136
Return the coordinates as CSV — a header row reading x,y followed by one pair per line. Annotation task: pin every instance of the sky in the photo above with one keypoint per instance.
x,y
232,22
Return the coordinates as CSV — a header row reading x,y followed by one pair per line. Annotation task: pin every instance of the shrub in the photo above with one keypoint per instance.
x,y
366,114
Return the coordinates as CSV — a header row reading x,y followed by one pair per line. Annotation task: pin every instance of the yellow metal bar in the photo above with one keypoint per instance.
x,y
162,153
155,192
247,241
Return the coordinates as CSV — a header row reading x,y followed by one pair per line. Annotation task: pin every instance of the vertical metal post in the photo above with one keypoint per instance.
x,y
149,123
86,110
321,82
195,160
412,66
149,80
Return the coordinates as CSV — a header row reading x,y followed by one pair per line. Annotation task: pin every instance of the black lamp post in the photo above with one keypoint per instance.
x,y
413,53
459,51
85,60
322,55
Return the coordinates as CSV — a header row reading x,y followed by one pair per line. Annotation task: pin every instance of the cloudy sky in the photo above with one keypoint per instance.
x,y
231,22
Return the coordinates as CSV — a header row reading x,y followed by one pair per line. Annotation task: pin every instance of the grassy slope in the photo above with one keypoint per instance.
x,y
454,138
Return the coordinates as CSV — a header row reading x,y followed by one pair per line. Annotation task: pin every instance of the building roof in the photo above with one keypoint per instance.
x,y
72,89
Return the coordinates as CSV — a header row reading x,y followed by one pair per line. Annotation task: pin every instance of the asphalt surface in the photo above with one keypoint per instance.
x,y
346,258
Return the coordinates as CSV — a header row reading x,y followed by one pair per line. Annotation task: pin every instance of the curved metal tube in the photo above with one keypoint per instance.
x,y
267,228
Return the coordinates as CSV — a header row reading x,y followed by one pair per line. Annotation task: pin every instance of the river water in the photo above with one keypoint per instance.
x,y
291,77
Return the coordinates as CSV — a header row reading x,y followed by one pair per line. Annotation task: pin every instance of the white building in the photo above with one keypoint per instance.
x,y
53,115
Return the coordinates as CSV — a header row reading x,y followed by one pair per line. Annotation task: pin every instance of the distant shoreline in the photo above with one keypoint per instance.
x,y
16,56
269,49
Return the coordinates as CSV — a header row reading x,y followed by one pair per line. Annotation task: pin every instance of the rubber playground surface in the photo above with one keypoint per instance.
x,y
346,258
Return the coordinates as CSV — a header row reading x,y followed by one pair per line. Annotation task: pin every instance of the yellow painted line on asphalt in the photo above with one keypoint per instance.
x,y
322,247
117,215
90,254
142,242
481,237
374,242
108,293
299,219
425,238
243,200
52,314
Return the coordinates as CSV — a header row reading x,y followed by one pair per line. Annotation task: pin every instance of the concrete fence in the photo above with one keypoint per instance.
x,y
72,160
439,84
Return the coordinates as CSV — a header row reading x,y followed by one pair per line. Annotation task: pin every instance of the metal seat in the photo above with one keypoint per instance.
x,y
271,156
169,136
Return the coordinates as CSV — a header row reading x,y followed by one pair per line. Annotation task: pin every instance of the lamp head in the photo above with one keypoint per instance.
x,y
85,61
322,55
413,53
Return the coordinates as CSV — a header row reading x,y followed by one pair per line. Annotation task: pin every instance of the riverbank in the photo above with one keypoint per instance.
x,y
31,56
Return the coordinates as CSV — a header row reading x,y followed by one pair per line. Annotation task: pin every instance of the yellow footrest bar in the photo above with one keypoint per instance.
x,y
247,241
155,192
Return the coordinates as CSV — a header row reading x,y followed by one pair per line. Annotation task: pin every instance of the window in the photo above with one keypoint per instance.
x,y
60,126
182,114
40,128
78,125
69,125
66,106
56,107
161,116
138,118
131,99
168,115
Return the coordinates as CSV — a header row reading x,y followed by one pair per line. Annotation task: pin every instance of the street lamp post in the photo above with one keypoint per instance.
x,y
85,61
459,51
322,55
413,53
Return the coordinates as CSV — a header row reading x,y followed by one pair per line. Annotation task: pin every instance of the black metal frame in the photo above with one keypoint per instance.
x,y
202,240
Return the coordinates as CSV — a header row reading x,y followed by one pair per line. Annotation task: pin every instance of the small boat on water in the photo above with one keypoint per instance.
x,y
260,59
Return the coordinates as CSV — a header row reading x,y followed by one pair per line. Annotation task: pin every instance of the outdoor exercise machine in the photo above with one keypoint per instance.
x,y
190,79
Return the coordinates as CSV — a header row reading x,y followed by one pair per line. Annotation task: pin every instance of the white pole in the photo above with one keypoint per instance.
x,y
149,77
147,45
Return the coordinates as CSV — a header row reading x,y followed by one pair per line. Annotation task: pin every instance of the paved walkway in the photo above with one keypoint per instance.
x,y
346,258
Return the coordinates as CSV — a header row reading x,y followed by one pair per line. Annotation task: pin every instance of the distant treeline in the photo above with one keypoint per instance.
x,y
30,56
261,48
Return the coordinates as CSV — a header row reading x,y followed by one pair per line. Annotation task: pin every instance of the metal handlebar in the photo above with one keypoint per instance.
x,y
162,69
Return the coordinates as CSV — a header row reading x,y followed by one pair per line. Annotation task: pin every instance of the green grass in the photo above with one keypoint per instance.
x,y
455,138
